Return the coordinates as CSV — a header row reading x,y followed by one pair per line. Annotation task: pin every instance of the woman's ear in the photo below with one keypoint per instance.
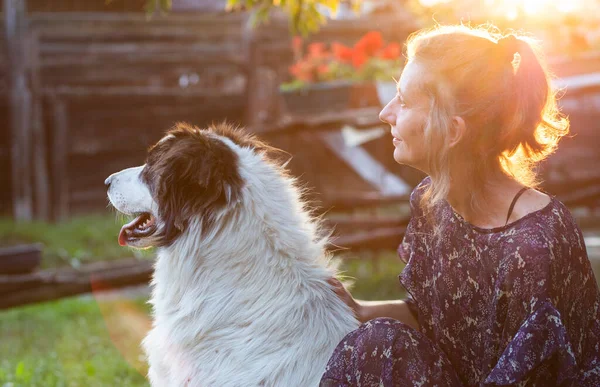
x,y
457,130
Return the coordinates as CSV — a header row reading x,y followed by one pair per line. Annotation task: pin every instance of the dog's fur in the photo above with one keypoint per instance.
x,y
240,294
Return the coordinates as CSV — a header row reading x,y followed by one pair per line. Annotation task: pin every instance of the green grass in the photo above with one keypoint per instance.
x,y
373,275
68,343
77,241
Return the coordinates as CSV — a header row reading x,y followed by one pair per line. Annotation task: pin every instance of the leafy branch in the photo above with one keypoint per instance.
x,y
304,15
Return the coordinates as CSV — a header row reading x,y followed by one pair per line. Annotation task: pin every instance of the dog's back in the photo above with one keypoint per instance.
x,y
246,327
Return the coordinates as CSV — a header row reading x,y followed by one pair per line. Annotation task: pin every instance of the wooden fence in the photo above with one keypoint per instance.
x,y
102,87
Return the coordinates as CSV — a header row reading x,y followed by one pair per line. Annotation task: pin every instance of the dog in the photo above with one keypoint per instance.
x,y
240,291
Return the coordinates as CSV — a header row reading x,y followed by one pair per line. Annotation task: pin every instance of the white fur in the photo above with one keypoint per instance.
x,y
248,304
128,194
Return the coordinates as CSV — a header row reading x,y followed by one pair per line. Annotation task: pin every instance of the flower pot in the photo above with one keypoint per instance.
x,y
386,91
20,259
318,98
364,94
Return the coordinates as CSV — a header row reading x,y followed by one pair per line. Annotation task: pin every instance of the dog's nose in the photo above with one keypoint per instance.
x,y
107,181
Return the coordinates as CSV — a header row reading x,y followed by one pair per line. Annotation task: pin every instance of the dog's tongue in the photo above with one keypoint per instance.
x,y
122,237
126,229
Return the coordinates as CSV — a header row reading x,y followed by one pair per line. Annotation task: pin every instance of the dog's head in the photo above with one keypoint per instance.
x,y
188,173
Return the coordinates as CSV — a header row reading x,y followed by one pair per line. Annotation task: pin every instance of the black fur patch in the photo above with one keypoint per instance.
x,y
191,173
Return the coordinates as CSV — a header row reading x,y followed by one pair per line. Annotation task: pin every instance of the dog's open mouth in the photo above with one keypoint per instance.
x,y
144,225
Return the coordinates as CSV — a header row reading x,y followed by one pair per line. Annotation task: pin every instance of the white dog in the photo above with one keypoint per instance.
x,y
240,294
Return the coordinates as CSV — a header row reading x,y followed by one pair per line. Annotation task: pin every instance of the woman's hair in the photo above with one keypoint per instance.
x,y
506,101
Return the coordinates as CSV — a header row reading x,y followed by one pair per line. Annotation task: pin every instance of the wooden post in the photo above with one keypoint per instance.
x,y
60,153
40,165
20,110
255,112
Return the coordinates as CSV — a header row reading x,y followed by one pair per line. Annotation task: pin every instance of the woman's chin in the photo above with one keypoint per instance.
x,y
399,156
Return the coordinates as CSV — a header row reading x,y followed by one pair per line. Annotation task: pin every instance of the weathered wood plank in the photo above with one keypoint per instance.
x,y
60,154
361,200
175,58
86,6
364,117
150,91
59,283
116,32
40,171
347,225
365,165
141,18
115,49
379,239
20,109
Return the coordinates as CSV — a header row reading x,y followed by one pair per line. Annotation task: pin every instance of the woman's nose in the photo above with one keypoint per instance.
x,y
384,115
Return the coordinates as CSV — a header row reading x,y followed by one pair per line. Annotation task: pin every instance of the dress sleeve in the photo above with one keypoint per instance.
x,y
551,328
404,249
540,343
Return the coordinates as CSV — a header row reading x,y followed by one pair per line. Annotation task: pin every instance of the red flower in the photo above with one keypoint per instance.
x,y
301,71
323,69
370,43
297,45
341,52
317,49
392,51
358,59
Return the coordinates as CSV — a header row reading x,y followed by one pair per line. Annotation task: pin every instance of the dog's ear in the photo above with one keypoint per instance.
x,y
199,178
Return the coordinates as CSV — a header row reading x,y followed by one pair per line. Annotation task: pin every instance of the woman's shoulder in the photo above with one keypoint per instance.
x,y
547,237
557,221
417,192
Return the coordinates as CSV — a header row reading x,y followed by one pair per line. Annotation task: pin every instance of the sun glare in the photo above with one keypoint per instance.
x,y
511,9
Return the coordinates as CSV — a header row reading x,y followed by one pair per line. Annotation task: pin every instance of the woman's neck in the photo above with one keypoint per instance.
x,y
489,208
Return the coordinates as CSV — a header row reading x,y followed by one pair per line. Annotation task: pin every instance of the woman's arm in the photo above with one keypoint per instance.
x,y
368,310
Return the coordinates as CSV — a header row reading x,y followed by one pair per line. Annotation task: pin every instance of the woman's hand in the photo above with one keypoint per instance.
x,y
368,310
346,297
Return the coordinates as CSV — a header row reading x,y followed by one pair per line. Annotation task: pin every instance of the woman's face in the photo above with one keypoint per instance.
x,y
407,115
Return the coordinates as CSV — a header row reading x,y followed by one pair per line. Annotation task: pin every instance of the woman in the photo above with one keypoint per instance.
x,y
501,291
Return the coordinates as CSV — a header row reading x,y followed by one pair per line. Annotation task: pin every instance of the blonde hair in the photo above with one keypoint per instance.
x,y
506,100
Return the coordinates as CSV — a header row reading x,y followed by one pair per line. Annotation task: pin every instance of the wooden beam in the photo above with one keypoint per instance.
x,y
351,224
126,18
366,166
20,110
381,239
54,284
130,91
360,118
360,200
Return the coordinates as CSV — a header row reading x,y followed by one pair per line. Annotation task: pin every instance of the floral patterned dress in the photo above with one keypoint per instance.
x,y
514,305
